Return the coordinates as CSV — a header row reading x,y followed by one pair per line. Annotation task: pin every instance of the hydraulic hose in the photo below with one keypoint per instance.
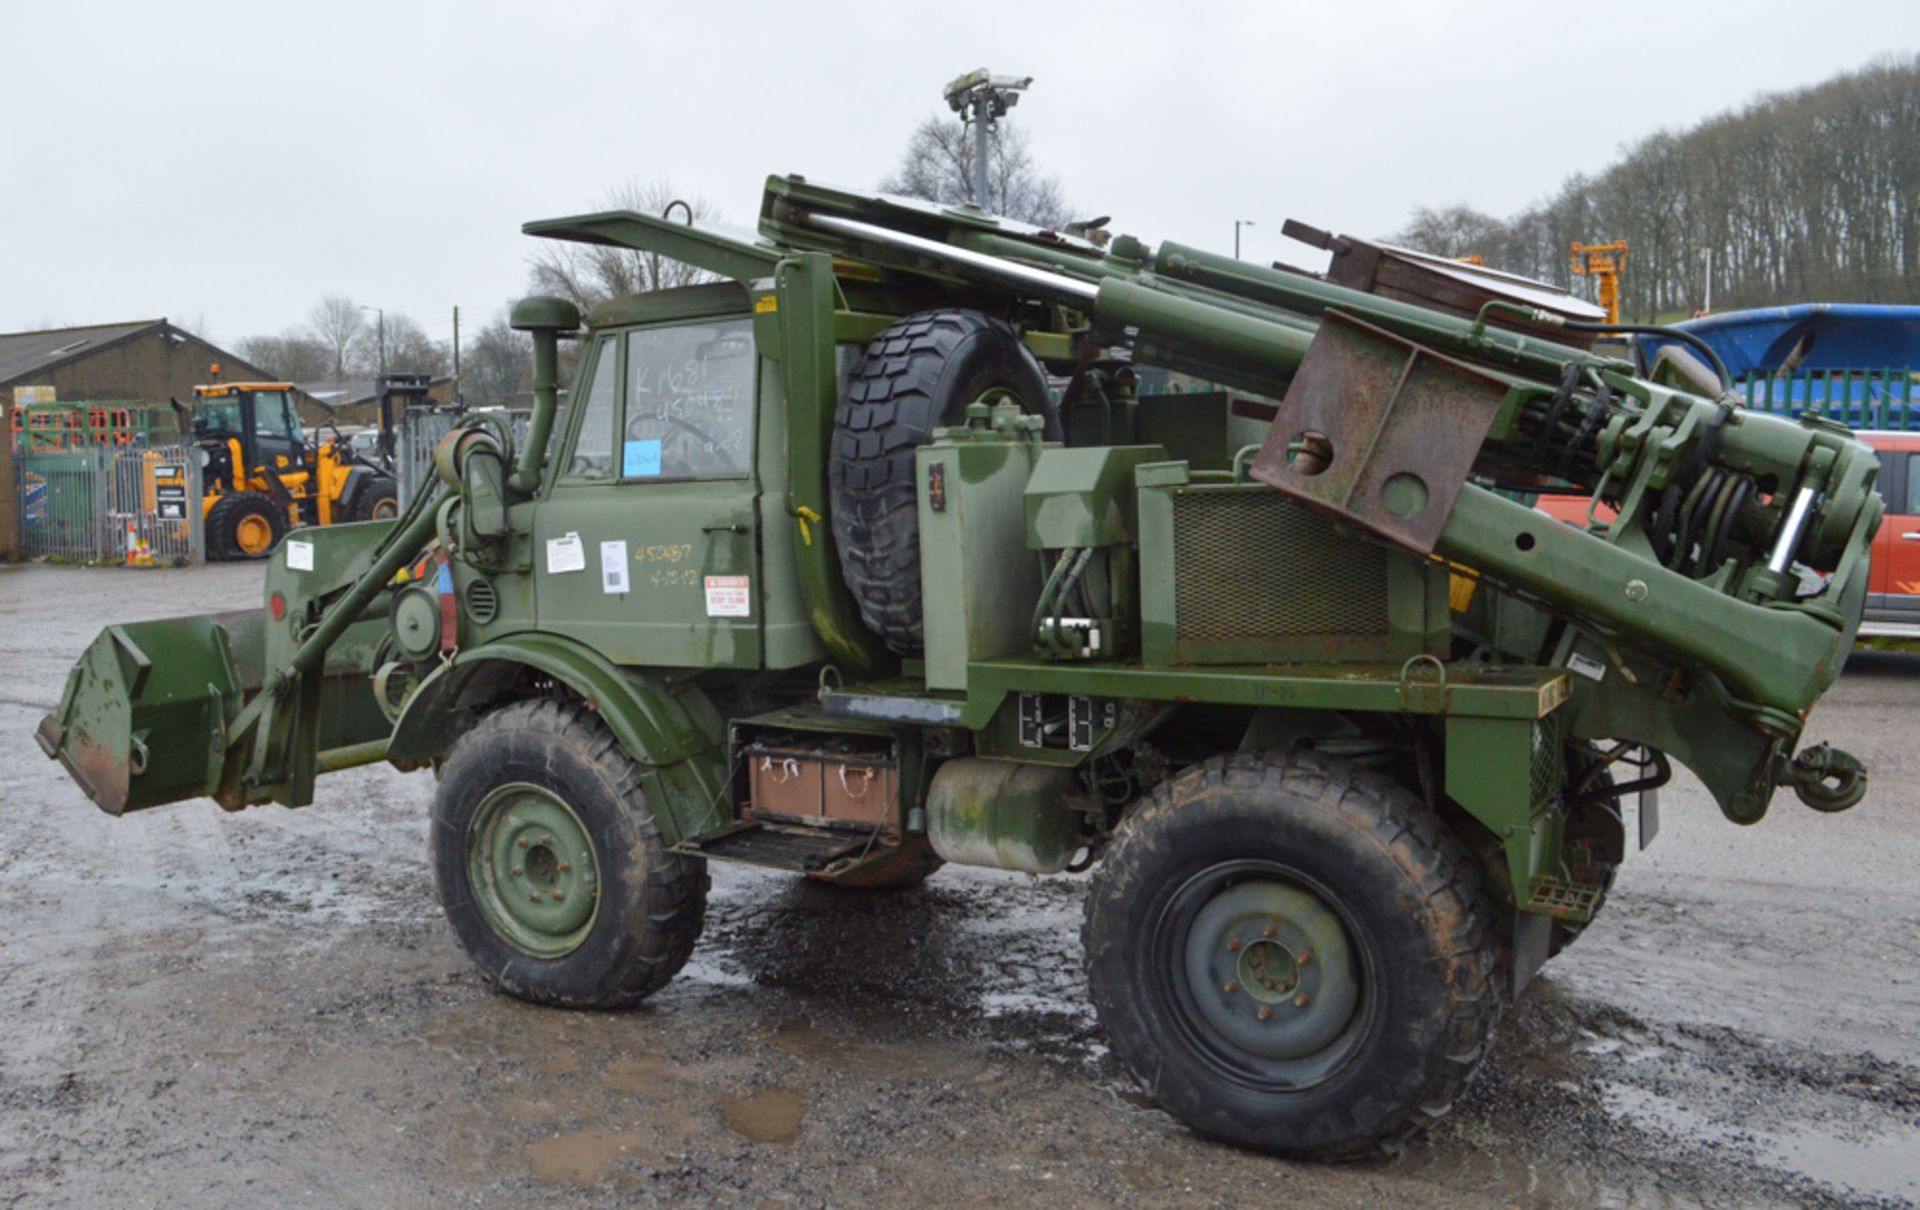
x,y
1687,338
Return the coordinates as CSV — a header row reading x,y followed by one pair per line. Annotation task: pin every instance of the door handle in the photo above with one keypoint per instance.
x,y
1911,535
740,527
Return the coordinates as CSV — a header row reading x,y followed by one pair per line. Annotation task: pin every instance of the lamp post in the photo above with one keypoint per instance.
x,y
1237,224
381,317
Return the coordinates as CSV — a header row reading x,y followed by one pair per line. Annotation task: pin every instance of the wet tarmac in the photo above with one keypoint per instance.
x,y
233,1010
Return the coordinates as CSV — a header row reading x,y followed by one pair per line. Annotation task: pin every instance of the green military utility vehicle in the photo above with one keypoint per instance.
x,y
816,570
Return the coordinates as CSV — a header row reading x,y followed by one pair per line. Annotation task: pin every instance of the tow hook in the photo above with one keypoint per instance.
x,y
1826,778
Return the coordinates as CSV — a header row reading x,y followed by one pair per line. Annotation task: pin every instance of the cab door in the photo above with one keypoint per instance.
x,y
1893,583
647,544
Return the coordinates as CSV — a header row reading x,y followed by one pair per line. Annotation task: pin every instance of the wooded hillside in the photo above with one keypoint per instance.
x,y
1810,195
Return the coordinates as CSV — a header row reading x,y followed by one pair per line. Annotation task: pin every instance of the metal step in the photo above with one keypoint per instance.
x,y
801,849
1563,900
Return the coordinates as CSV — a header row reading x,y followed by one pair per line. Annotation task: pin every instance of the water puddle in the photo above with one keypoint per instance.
x,y
583,1157
1874,1166
771,1115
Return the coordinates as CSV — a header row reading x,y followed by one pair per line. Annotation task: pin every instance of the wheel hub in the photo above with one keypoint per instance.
x,y
1270,968
253,534
532,868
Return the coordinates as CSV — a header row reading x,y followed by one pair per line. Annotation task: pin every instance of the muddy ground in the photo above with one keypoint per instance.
x,y
265,1008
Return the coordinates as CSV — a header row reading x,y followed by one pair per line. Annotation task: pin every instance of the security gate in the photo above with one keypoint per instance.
x,y
111,504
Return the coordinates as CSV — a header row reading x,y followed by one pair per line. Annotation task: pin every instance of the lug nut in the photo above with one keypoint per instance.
x,y
1266,1011
1303,957
1233,943
534,897
522,842
515,871
1231,985
557,896
1300,1001
564,867
1270,930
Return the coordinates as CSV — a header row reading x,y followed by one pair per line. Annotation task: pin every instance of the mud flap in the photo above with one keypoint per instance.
x,y
1532,944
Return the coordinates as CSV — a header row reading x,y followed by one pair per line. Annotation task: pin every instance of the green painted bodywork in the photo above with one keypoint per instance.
x,y
1237,597
976,605
671,730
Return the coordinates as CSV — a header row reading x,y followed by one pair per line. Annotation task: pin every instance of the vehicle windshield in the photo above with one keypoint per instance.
x,y
221,415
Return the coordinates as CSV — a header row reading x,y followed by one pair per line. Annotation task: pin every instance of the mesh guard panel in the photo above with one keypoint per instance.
x,y
1255,565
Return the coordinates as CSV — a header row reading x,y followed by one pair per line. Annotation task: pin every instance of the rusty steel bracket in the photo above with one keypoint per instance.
x,y
1379,430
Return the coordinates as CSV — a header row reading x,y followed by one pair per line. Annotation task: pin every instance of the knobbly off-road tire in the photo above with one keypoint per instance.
x,y
539,801
377,500
244,525
917,375
908,866
1355,872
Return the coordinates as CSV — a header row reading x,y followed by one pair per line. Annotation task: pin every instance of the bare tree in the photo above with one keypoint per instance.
x,y
409,349
292,355
938,166
1796,196
340,327
586,274
1454,231
497,368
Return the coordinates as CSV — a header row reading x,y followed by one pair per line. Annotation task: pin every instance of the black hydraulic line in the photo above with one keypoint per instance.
x,y
1660,533
1569,378
1743,487
1693,517
1687,338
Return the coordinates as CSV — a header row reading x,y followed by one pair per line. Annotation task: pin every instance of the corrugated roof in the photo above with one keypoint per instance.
x,y
26,353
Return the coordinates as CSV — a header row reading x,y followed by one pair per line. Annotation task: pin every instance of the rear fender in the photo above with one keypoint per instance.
x,y
672,731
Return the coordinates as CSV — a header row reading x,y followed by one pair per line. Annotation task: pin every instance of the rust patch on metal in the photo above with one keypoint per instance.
x,y
1368,409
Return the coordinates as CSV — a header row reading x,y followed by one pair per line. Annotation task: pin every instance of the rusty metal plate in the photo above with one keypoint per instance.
x,y
1382,431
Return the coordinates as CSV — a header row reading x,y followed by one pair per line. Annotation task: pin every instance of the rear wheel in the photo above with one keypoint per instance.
x,y
917,375
244,525
550,866
378,500
1292,954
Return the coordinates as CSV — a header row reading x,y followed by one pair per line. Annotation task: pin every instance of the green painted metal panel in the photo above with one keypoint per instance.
x,y
979,583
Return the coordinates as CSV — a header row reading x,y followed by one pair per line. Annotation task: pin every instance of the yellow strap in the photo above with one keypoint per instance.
x,y
807,519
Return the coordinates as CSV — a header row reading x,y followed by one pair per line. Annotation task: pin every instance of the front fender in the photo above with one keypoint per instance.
x,y
672,732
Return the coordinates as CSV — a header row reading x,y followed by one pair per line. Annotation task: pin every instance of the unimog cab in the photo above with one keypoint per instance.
x,y
873,554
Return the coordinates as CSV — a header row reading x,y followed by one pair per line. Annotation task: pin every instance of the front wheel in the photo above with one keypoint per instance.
x,y
550,866
379,500
1291,954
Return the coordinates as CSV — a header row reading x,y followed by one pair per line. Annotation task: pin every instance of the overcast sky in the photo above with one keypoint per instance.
x,y
227,164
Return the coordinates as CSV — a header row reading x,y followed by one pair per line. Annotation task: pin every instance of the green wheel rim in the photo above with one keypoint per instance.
x,y
1264,976
531,865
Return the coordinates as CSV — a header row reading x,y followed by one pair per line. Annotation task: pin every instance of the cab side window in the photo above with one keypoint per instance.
x,y
593,448
689,412
1913,486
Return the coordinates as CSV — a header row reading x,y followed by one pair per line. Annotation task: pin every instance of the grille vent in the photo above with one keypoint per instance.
x,y
482,604
1250,566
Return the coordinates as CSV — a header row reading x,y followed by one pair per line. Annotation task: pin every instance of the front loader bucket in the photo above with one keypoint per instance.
x,y
144,717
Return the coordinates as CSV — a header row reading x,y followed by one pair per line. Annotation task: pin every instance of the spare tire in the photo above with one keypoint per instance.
x,y
916,376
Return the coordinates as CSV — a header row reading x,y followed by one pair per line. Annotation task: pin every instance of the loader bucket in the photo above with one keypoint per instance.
x,y
144,716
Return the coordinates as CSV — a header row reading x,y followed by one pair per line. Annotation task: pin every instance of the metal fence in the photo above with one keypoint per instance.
x,y
1859,399
420,430
111,504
